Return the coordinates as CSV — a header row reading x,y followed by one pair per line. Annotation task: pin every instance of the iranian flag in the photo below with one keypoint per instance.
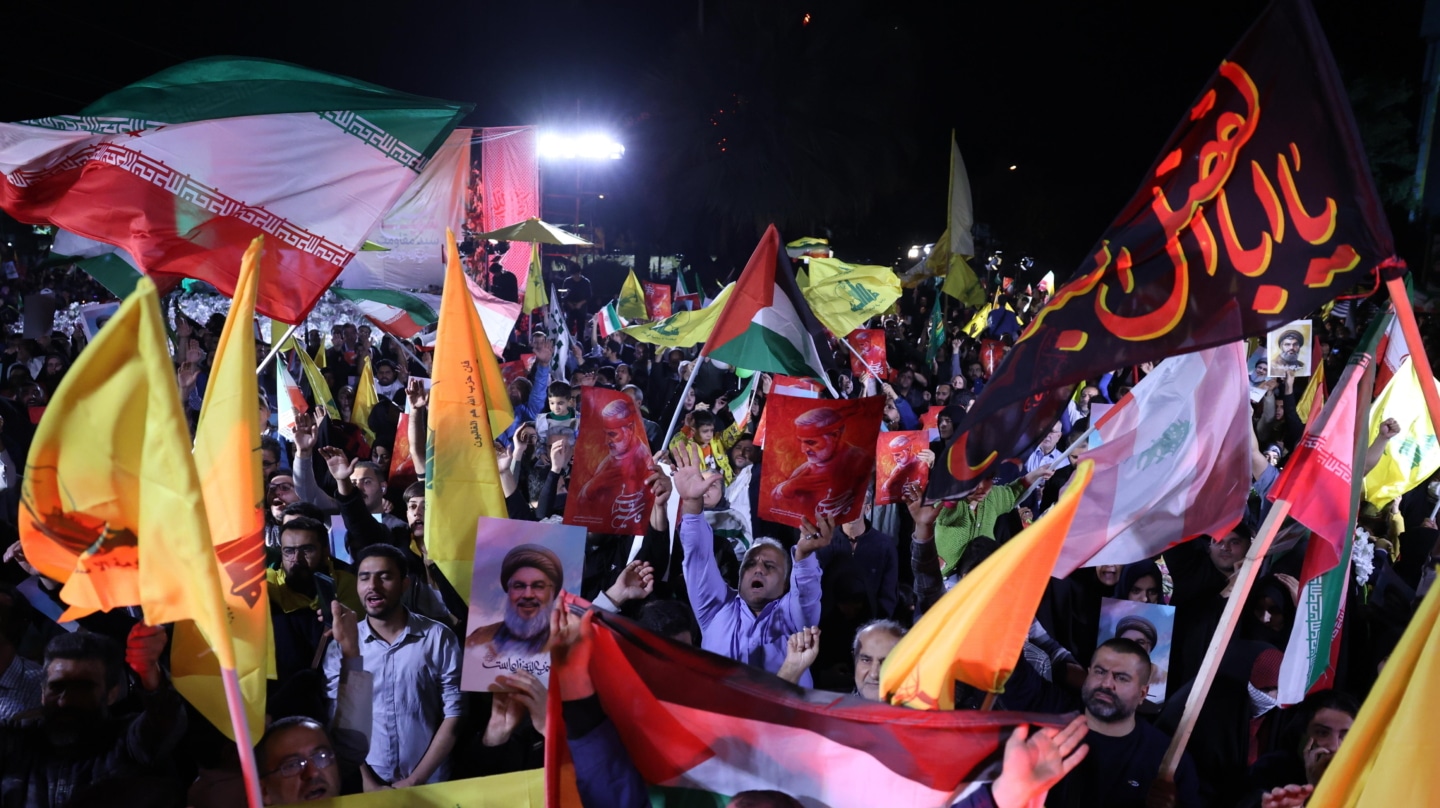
x,y
1174,462
399,314
609,321
1391,352
702,727
1324,493
767,325
183,169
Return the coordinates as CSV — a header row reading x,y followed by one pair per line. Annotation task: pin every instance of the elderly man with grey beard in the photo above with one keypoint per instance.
x,y
532,576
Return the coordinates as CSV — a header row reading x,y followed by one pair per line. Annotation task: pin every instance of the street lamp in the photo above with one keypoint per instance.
x,y
593,146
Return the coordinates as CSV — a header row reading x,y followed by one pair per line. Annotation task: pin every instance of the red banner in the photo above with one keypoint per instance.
x,y
870,344
689,303
510,371
898,465
991,352
821,460
612,459
657,300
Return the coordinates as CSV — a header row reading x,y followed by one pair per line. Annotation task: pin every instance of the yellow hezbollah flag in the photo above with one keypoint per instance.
x,y
365,400
525,789
843,296
111,502
632,299
227,456
1411,456
976,631
535,296
1314,395
1388,759
319,388
961,282
319,353
977,324
468,407
683,328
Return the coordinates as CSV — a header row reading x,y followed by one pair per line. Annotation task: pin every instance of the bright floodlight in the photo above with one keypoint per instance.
x,y
914,252
579,147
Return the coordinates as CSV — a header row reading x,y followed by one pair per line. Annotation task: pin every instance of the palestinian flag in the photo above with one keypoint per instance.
x,y
183,169
767,324
1321,483
399,314
609,321
700,727
111,266
740,407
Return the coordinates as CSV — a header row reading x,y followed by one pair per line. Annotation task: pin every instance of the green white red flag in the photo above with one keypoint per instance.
x,y
183,169
400,314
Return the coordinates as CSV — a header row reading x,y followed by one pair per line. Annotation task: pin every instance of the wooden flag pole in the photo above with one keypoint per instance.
x,y
244,746
1239,593
1394,275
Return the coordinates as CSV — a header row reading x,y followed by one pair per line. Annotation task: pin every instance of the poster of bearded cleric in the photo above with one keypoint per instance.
x,y
1289,349
520,569
608,493
819,458
898,465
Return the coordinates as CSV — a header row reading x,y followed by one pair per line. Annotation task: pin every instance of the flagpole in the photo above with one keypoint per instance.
x,y
680,405
275,349
857,355
243,745
1393,271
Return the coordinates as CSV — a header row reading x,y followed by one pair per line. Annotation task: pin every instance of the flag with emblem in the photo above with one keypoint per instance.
x,y
683,328
608,320
843,296
1414,454
399,314
632,299
183,169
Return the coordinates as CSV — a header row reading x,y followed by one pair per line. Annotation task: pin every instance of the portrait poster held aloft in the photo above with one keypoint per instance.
x,y
819,464
519,574
1288,349
608,493
870,344
1151,625
898,465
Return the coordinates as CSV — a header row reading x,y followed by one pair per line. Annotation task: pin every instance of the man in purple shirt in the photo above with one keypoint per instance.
x,y
753,625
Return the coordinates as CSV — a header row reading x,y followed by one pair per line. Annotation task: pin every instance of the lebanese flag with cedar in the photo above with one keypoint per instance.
x,y
183,169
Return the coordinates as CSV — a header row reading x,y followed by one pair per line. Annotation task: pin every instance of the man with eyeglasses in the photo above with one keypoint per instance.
x,y
295,597
300,759
416,665
532,576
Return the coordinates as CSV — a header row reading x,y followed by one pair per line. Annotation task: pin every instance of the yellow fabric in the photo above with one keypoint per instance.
x,y
961,282
1388,758
468,407
111,503
535,296
802,279
318,386
976,326
365,400
1313,399
227,457
524,789
843,296
976,631
290,601
632,299
319,355
683,328
1411,456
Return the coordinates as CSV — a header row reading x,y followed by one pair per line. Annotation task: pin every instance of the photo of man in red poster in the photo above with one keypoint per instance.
x,y
612,461
870,344
657,300
899,462
820,468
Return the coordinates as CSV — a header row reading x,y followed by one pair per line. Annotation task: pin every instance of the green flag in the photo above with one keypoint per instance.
x,y
935,332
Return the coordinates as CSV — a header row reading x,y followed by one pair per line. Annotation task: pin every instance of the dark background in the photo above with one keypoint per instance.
x,y
835,128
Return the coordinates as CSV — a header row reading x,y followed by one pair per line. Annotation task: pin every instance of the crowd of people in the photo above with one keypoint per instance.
x,y
368,645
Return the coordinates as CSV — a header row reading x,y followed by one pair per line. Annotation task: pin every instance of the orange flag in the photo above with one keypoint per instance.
x,y
976,631
468,407
227,455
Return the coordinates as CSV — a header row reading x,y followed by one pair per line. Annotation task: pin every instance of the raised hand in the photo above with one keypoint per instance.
x,y
340,466
1036,762
306,424
544,349
346,629
801,649
690,481
418,394
924,515
1287,797
813,536
142,653
528,695
636,582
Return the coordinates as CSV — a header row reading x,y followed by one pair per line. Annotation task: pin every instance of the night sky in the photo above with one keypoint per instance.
x,y
1078,96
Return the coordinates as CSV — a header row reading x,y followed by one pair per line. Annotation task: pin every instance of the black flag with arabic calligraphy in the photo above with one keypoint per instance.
x,y
1259,209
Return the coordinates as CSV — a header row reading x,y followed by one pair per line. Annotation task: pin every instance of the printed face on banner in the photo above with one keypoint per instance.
x,y
898,465
820,463
870,344
1288,348
657,300
608,493
520,570
1152,625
